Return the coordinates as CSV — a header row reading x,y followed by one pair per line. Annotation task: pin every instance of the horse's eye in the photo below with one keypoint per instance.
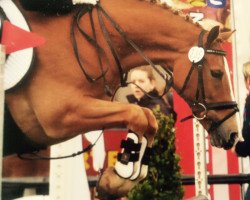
x,y
216,73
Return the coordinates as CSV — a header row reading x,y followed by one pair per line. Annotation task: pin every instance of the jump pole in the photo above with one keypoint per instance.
x,y
199,135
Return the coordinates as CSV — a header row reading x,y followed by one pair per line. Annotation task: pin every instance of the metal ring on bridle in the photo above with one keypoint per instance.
x,y
205,110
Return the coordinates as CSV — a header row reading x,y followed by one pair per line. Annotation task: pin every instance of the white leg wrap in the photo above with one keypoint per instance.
x,y
144,171
138,170
93,2
126,170
145,162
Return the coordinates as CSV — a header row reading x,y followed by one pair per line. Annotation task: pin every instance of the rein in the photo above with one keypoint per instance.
x,y
35,156
200,104
92,40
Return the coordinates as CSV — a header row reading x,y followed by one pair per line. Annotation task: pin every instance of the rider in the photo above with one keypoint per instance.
x,y
53,6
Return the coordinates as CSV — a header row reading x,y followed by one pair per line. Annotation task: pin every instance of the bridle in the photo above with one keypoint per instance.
x,y
199,104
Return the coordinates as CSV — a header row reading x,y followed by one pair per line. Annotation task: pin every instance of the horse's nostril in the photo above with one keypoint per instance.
x,y
231,141
233,138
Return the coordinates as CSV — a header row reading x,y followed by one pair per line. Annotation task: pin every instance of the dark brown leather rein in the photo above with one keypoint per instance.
x,y
92,40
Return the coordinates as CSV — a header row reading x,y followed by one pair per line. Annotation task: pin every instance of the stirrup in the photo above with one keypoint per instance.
x,y
125,164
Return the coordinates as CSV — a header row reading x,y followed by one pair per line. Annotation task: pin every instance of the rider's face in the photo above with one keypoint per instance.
x,y
141,79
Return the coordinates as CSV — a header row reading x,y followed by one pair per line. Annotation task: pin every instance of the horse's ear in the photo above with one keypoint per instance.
x,y
226,35
212,35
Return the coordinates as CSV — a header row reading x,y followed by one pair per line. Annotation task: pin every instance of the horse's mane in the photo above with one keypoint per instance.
x,y
66,6
175,10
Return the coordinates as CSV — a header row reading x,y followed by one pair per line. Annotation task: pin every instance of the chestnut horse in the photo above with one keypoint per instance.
x,y
59,99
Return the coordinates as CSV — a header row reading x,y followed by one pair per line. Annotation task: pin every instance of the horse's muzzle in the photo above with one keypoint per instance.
x,y
217,140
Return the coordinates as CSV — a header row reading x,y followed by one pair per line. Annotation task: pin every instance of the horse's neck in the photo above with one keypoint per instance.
x,y
159,33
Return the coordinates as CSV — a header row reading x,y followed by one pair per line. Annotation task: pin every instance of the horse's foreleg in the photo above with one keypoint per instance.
x,y
133,161
87,114
147,140
111,183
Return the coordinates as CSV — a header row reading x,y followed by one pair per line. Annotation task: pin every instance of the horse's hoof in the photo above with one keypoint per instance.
x,y
106,188
111,186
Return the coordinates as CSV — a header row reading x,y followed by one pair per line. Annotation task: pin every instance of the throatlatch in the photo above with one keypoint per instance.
x,y
132,162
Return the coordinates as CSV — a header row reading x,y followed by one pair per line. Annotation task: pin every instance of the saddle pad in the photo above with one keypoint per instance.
x,y
17,64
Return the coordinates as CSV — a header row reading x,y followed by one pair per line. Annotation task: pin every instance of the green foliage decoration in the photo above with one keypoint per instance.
x,y
164,178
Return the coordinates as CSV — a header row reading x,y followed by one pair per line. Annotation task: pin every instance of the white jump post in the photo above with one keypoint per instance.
x,y
68,179
201,186
2,62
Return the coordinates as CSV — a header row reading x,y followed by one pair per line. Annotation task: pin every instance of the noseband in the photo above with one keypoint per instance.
x,y
196,56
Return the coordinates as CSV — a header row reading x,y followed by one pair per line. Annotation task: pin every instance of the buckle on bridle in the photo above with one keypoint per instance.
x,y
202,108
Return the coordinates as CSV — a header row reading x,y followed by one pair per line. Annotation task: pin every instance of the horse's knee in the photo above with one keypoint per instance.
x,y
137,121
152,122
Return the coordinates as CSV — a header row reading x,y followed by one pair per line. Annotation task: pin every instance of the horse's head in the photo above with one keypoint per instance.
x,y
207,89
